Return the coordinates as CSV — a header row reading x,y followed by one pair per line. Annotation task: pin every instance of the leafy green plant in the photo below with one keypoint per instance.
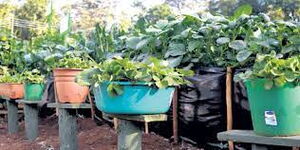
x,y
214,41
45,52
73,62
33,76
3,70
104,41
275,70
153,72
11,52
8,77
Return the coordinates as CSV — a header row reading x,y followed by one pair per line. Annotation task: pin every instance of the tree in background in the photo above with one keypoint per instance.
x,y
183,6
6,9
86,13
159,12
35,11
277,9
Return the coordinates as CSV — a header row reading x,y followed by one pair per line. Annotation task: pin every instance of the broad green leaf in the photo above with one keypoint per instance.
x,y
153,30
242,10
115,89
243,55
287,49
257,34
192,45
290,76
174,61
175,50
223,40
185,33
280,81
132,42
238,45
142,44
161,24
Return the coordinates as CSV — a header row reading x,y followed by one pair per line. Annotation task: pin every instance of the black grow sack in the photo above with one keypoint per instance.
x,y
202,107
240,105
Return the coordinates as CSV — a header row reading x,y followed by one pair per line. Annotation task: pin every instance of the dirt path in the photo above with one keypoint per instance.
x,y
90,137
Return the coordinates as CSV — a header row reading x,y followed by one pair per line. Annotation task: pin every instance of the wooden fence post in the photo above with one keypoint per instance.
x,y
229,103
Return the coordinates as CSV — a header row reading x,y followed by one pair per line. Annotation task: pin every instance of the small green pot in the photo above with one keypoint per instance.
x,y
34,92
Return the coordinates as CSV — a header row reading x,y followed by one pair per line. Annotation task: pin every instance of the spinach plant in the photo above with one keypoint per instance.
x,y
33,76
11,77
153,72
276,71
213,41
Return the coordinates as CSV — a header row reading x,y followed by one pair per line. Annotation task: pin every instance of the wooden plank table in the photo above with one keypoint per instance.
x,y
258,142
31,118
67,121
130,133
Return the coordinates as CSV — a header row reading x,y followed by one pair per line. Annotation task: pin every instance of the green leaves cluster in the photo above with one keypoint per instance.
x,y
213,41
275,70
7,76
33,76
12,76
11,52
152,72
73,62
56,49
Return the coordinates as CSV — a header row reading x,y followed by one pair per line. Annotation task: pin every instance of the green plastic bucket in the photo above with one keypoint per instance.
x,y
34,92
274,112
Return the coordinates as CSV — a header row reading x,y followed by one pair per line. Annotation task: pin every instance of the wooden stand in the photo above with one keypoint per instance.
x,y
258,142
130,133
12,113
229,104
31,119
68,124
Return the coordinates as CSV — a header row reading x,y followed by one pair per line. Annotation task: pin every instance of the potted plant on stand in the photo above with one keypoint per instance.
x,y
127,87
273,90
11,85
67,90
33,85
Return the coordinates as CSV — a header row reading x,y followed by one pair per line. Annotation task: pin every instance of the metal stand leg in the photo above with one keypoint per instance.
x,y
129,136
31,121
68,129
12,108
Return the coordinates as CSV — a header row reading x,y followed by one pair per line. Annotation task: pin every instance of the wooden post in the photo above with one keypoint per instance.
x,y
129,136
175,116
12,110
229,103
68,124
12,24
31,121
129,133
146,127
92,106
116,123
68,129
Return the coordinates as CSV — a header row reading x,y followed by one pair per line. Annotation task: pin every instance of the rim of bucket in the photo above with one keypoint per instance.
x,y
67,69
30,83
129,83
13,83
132,83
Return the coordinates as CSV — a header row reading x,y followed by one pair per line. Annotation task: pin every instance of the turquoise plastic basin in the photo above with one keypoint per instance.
x,y
138,98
